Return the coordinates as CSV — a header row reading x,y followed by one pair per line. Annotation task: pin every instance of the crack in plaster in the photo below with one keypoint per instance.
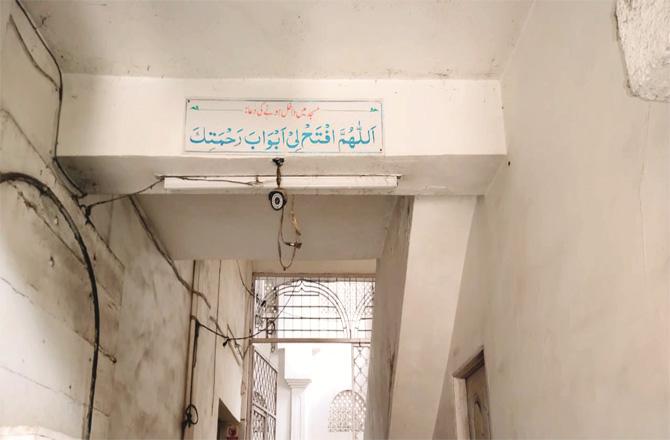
x,y
5,114
15,290
643,164
46,387
111,357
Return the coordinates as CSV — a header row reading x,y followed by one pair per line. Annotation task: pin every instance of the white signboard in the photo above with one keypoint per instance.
x,y
283,127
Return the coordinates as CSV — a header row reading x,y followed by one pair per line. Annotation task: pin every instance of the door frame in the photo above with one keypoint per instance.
x,y
460,392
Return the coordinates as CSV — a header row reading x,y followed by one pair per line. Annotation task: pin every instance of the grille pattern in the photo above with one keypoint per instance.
x,y
347,412
263,399
360,364
325,307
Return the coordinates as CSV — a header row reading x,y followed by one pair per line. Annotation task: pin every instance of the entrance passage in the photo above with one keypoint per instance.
x,y
311,357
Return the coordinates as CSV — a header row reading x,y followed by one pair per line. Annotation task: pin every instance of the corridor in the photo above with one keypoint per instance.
x,y
334,219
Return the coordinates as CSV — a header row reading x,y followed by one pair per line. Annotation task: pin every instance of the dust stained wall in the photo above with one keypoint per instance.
x,y
566,277
46,317
390,288
218,373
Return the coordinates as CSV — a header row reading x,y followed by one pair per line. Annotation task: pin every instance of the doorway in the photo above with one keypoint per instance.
x,y
312,334
473,419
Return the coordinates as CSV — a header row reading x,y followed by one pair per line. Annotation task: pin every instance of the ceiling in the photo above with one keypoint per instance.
x,y
307,39
283,39
244,226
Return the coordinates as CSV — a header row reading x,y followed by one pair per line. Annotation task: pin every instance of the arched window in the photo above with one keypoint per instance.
x,y
321,307
347,412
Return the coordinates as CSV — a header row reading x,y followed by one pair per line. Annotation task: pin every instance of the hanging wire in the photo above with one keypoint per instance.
x,y
296,244
244,285
191,411
293,245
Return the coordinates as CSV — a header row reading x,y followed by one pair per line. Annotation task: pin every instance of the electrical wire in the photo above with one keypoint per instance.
x,y
55,158
90,206
44,190
228,338
191,411
244,285
294,245
216,179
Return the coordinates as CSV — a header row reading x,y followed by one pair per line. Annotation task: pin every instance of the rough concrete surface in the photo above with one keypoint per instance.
x,y
644,30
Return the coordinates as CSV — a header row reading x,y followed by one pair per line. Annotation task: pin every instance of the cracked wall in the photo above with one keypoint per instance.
x,y
566,278
218,376
46,318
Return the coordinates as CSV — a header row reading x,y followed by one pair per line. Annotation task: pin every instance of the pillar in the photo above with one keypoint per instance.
x,y
298,408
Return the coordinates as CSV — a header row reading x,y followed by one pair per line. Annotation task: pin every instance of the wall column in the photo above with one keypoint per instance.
x,y
298,408
438,238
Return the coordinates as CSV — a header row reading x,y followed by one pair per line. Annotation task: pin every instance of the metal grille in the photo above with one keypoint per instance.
x,y
348,408
345,413
323,307
263,399
360,364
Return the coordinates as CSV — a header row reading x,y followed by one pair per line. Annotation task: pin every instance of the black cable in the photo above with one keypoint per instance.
x,y
239,338
44,190
59,87
247,289
60,97
90,206
191,411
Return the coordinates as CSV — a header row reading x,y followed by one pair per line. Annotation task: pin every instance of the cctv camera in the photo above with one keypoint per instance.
x,y
277,200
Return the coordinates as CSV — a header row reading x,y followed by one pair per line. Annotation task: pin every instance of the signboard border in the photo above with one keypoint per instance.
x,y
188,99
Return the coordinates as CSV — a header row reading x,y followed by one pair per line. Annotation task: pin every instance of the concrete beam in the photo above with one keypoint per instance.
x,y
441,136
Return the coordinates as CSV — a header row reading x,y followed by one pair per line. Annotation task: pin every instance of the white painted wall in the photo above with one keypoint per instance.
x,y
285,38
566,281
643,31
145,116
389,291
46,322
46,314
440,135
283,399
328,369
437,244
245,227
331,374
418,281
152,339
219,370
